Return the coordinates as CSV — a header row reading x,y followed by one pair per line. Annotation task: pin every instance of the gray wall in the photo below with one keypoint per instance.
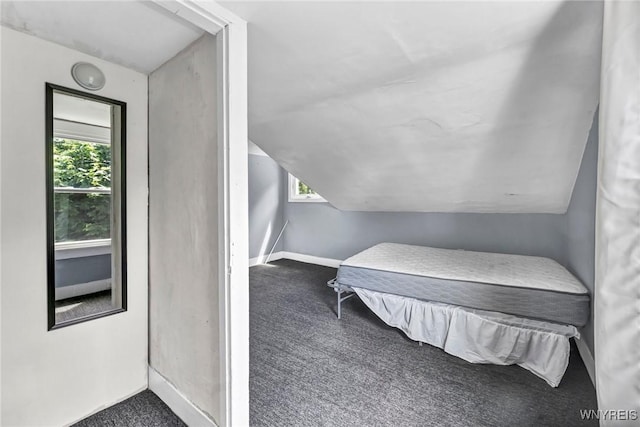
x,y
581,220
73,271
183,225
321,230
267,193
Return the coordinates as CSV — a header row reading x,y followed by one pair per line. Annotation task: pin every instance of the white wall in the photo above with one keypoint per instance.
x,y
58,377
183,220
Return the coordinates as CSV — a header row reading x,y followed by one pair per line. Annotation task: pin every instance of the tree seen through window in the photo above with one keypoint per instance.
x,y
304,188
82,190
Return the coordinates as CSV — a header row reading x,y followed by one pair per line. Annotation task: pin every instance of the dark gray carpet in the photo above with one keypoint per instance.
x,y
81,306
310,369
142,410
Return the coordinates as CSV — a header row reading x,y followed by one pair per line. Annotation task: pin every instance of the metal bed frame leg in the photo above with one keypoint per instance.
x,y
339,291
341,298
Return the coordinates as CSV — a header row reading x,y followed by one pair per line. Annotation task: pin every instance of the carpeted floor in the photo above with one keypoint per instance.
x,y
85,305
145,409
310,369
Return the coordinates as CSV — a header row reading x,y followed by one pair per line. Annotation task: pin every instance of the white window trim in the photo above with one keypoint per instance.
x,y
80,190
302,198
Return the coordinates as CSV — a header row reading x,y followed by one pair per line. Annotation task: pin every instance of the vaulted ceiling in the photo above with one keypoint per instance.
x,y
426,106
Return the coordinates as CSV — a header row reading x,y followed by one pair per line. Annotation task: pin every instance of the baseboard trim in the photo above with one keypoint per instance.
x,y
259,260
587,358
327,262
177,402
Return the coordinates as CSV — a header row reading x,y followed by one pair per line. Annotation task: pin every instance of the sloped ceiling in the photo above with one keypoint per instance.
x,y
426,106
135,34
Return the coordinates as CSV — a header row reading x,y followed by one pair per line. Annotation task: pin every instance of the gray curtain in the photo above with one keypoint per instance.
x,y
617,290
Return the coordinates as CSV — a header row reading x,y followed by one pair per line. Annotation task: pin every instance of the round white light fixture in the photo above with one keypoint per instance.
x,y
88,76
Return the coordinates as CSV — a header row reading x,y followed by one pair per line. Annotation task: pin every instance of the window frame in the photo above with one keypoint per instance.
x,y
74,248
118,184
295,197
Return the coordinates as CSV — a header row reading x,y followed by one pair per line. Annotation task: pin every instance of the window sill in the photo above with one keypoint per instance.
x,y
307,200
81,249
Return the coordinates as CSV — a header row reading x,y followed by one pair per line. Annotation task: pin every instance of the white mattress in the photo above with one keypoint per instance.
x,y
480,267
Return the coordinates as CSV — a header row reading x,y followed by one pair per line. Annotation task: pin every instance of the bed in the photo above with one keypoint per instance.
x,y
483,307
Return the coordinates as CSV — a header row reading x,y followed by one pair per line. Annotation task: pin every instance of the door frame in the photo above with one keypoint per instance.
x,y
233,217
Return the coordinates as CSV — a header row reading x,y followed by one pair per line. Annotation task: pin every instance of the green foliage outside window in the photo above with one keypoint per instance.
x,y
80,164
304,188
81,216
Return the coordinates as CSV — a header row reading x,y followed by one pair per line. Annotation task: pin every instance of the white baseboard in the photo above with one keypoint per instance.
x,y
587,358
71,291
177,402
259,260
327,262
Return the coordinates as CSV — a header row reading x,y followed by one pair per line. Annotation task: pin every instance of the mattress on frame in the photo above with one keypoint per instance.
x,y
533,287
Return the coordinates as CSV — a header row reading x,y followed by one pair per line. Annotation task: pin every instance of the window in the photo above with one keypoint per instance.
x,y
82,193
301,192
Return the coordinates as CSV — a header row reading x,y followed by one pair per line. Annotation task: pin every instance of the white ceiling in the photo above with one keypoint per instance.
x,y
426,106
138,35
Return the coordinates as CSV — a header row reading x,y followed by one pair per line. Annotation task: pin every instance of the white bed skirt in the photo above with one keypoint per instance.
x,y
478,336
